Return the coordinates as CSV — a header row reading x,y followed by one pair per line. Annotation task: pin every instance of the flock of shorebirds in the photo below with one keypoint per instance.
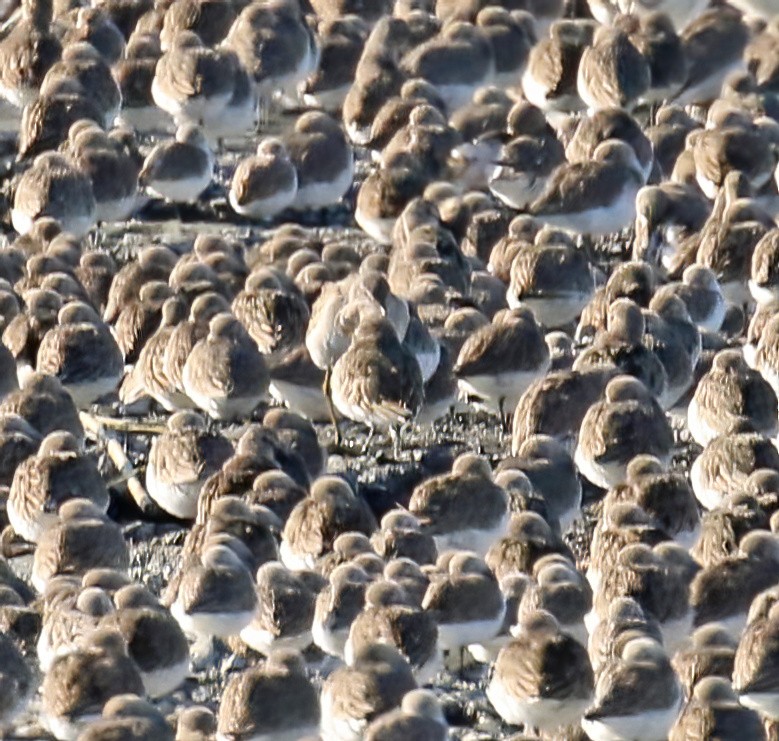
x,y
567,220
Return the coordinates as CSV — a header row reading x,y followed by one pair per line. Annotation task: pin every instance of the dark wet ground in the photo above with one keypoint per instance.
x,y
381,479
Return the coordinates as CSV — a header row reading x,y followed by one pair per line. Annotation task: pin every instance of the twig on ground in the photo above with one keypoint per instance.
x,y
97,428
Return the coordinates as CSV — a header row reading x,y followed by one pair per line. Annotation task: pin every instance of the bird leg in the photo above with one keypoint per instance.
x,y
369,439
461,669
326,388
504,415
394,432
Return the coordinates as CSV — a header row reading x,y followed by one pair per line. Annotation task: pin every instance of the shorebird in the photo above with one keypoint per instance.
x,y
134,74
216,596
275,315
333,320
78,683
638,696
711,652
24,332
754,331
754,677
337,605
727,462
384,676
393,394
155,641
596,197
659,579
628,414
376,79
714,704
668,136
221,513
634,280
82,353
529,687
341,42
46,405
54,187
210,21
383,195
549,81
139,319
265,184
81,69
187,333
625,620
27,53
128,714
153,263
602,125
179,170
538,410
743,148
612,72
193,82
664,495
764,359
524,166
286,611
419,714
70,611
332,508
388,617
723,527
723,592
465,601
58,472
702,295
113,172
400,536
296,437
512,36
559,590
623,345
96,27
730,394
148,377
275,46
529,537
622,524
553,279
180,461
18,441
195,722
549,469
678,351
498,363
654,34
722,28
407,574
16,679
323,159
763,282
413,121
448,508
225,375
273,700
457,61
83,539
